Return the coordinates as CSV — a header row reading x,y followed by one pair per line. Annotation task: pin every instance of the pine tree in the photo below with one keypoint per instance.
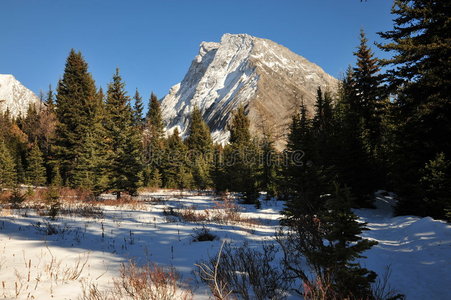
x,y
269,170
370,96
241,158
138,107
7,167
322,150
218,172
295,147
200,146
420,75
125,167
79,134
50,99
153,141
239,129
327,234
176,173
154,118
35,171
57,180
351,159
436,184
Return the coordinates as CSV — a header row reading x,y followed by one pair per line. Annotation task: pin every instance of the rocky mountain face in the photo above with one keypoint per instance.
x,y
15,97
268,79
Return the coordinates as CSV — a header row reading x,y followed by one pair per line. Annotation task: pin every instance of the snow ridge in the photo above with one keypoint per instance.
x,y
15,97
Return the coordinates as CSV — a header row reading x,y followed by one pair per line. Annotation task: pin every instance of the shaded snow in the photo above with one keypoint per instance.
x,y
418,249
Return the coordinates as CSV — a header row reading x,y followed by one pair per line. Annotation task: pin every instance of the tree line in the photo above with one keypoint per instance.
x,y
387,130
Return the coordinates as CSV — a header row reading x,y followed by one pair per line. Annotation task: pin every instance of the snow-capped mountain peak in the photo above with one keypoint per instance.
x,y
15,97
267,78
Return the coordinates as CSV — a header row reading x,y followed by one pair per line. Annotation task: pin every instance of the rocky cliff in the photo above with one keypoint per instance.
x,y
267,78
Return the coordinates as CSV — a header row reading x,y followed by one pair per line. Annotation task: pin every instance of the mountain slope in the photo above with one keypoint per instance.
x,y
265,77
15,97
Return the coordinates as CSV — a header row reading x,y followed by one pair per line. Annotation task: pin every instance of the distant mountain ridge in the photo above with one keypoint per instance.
x,y
15,97
265,77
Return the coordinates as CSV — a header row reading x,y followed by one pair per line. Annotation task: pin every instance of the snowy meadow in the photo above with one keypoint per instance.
x,y
90,250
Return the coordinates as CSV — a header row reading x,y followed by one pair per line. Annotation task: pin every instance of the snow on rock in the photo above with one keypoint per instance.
x,y
15,97
266,78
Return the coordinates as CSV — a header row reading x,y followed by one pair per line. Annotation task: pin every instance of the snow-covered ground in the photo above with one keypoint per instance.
x,y
90,249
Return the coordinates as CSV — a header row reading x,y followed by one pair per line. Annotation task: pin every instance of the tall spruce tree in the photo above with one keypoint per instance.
x,y
420,77
269,167
241,158
176,173
351,158
35,172
138,107
7,166
125,167
200,146
323,149
79,128
369,92
153,141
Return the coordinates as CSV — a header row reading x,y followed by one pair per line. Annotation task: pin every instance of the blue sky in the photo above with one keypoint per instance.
x,y
153,42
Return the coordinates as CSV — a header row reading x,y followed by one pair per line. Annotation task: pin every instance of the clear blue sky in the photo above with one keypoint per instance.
x,y
153,42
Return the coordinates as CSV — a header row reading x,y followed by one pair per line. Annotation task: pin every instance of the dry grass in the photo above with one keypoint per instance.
x,y
150,282
223,212
45,269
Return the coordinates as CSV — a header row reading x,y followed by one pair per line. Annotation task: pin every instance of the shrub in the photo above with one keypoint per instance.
x,y
150,282
16,198
245,272
203,235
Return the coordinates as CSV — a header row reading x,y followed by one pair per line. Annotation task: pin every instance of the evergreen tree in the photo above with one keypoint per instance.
x,y
57,180
218,173
296,143
7,167
420,76
322,150
153,141
436,186
239,128
138,107
176,173
79,133
154,118
369,92
325,232
268,177
241,158
345,245
35,171
125,168
200,146
352,161
50,99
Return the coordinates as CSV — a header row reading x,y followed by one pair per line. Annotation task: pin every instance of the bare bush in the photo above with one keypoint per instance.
x,y
223,212
92,292
150,282
208,272
246,273
382,289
